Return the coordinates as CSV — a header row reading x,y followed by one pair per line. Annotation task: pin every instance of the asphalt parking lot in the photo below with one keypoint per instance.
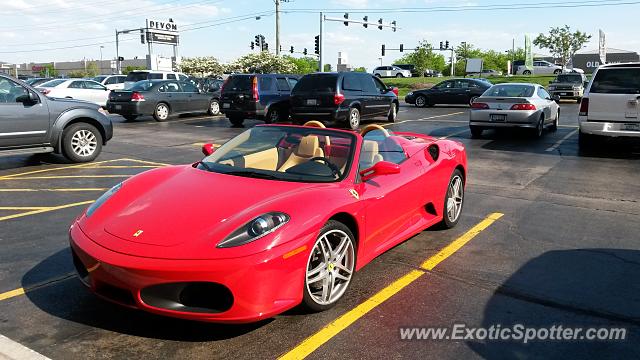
x,y
565,251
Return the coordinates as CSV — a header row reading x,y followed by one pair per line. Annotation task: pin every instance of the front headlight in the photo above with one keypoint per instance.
x,y
576,87
102,199
552,87
255,229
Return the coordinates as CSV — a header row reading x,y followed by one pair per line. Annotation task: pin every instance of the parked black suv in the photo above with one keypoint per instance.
x,y
257,96
30,123
343,98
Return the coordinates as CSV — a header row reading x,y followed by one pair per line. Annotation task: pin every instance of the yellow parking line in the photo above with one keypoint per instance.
x,y
60,190
23,207
22,291
66,177
55,169
309,345
53,208
146,162
199,144
12,293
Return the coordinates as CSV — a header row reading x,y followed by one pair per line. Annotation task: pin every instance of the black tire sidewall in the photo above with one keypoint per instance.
x,y
307,301
426,101
67,134
392,114
446,223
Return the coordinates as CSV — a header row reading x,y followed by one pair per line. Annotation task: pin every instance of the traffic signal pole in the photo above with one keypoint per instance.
x,y
321,44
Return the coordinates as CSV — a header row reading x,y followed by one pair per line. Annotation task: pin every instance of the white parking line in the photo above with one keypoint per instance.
x,y
12,350
559,142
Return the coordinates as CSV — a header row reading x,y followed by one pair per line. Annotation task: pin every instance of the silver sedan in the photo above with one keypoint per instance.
x,y
514,105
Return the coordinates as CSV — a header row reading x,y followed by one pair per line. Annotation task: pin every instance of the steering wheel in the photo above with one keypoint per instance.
x,y
372,127
332,166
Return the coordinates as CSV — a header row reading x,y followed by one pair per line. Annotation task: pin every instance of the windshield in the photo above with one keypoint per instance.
x,y
285,153
52,83
143,85
569,79
510,90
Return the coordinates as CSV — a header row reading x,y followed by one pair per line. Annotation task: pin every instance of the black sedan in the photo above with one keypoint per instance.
x,y
161,98
454,91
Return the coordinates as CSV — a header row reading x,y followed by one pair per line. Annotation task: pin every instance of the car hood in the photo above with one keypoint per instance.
x,y
182,213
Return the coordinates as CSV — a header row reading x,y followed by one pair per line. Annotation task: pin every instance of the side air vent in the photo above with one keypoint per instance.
x,y
434,151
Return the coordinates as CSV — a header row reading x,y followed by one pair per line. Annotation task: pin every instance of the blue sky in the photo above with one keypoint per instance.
x,y
83,26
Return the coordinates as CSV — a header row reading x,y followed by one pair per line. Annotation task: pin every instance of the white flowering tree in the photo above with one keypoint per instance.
x,y
201,66
262,63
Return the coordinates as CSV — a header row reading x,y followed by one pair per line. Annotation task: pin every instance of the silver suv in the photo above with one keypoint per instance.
x,y
391,71
611,104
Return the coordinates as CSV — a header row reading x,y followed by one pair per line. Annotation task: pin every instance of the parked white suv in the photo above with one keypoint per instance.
x,y
391,71
112,82
611,104
139,75
540,67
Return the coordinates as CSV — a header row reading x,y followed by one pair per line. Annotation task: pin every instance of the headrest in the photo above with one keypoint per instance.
x,y
369,151
308,146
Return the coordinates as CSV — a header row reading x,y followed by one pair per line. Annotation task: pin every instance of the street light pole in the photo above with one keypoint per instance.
x,y
117,55
277,27
321,44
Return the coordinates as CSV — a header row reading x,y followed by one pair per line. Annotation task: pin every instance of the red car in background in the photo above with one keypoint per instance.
x,y
278,216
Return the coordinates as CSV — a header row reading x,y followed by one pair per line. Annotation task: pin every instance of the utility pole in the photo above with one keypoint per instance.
x,y
117,55
277,27
320,44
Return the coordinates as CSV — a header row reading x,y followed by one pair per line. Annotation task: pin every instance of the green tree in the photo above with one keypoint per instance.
x,y
360,69
423,58
327,68
304,65
92,69
128,69
48,70
201,66
562,42
262,62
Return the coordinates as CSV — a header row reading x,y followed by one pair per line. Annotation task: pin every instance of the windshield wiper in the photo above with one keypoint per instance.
x,y
253,174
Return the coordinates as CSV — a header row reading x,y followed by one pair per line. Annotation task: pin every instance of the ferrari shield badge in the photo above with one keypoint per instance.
x,y
354,194
137,233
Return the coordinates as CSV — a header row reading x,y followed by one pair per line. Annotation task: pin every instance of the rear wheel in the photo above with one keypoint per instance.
x,y
472,99
129,117
526,72
273,115
393,113
454,200
476,132
421,101
585,141
398,75
539,130
354,118
556,121
81,142
162,112
236,121
330,267
214,107
558,71
378,75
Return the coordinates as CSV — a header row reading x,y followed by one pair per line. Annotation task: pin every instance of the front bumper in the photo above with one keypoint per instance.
x,y
260,285
567,94
514,118
610,129
410,99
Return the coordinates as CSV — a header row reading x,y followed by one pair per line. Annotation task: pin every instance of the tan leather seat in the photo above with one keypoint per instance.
x,y
308,148
369,155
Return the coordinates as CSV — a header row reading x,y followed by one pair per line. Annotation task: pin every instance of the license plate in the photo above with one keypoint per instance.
x,y
118,107
631,127
312,102
226,105
563,94
500,117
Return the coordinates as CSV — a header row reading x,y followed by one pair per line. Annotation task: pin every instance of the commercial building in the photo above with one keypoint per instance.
x,y
589,60
64,68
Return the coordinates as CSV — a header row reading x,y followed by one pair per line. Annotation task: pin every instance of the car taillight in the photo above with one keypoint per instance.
x,y
523,107
254,89
584,107
477,105
338,98
395,90
224,84
136,96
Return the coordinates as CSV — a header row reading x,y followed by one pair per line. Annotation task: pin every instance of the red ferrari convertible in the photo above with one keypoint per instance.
x,y
278,216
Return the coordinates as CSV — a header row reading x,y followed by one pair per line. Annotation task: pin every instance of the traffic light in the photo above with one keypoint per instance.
x,y
366,20
380,22
253,46
394,25
141,36
280,48
304,51
382,49
441,45
401,47
121,58
265,47
346,16
257,40
446,44
291,50
317,44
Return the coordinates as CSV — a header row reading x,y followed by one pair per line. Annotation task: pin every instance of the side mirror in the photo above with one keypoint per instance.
x,y
208,149
556,98
29,98
380,168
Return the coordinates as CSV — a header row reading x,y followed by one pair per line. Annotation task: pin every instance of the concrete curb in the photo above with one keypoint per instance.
x,y
11,350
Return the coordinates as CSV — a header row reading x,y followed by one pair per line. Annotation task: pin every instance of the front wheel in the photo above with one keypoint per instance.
x,y
558,71
421,101
393,113
526,72
162,112
129,117
330,267
399,75
214,107
81,142
272,116
454,200
354,118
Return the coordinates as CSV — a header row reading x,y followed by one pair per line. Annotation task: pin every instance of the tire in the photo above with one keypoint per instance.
x,y
472,99
273,116
81,142
332,235
585,141
539,129
130,117
161,113
579,100
526,72
556,121
214,107
421,101
393,113
557,71
454,197
237,122
399,75
354,118
378,75
476,132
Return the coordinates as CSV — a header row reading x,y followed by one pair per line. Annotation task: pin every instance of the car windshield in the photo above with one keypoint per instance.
x,y
569,79
52,83
143,85
510,90
285,153
317,82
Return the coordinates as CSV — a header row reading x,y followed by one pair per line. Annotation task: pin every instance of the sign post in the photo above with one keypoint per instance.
x,y
602,47
160,32
528,52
